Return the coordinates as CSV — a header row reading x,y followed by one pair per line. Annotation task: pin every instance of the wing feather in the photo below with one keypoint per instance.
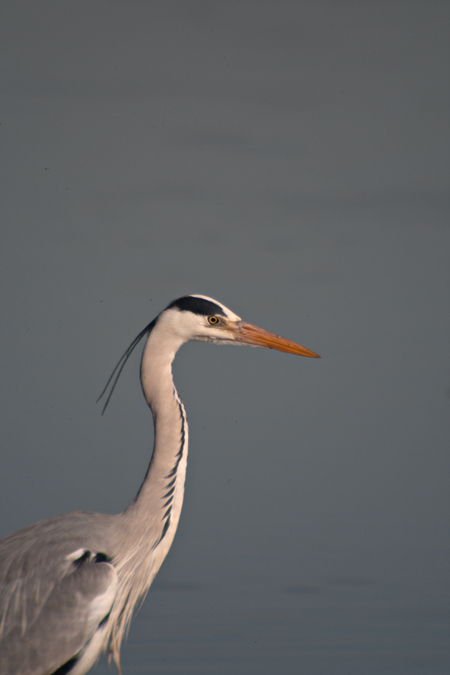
x,y
53,597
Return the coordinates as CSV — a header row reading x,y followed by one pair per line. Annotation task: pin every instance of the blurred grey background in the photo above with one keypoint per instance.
x,y
289,159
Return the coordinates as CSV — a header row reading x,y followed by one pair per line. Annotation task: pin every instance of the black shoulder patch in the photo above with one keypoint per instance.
x,y
196,305
68,666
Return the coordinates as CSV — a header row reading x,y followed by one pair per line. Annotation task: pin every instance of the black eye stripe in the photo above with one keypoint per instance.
x,y
196,306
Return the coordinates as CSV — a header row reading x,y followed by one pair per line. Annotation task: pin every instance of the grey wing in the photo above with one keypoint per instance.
x,y
52,604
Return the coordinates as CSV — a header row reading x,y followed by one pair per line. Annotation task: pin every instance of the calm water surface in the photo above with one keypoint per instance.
x,y
289,159
343,627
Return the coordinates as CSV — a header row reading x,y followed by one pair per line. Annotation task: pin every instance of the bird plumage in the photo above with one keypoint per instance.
x,y
69,585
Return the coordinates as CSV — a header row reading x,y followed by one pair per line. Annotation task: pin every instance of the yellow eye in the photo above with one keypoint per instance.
x,y
213,320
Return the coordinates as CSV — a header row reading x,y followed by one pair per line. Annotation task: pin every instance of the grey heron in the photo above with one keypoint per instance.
x,y
69,585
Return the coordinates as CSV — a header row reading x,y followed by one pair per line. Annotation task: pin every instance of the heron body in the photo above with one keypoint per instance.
x,y
69,585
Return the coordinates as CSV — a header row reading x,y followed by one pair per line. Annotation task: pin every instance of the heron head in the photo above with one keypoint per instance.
x,y
198,317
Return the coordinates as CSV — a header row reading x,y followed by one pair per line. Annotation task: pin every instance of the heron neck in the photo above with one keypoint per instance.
x,y
157,506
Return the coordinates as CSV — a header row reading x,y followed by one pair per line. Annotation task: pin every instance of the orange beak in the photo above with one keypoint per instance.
x,y
258,337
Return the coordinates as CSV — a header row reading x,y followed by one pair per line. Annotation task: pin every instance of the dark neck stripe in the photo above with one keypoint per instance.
x,y
173,474
196,305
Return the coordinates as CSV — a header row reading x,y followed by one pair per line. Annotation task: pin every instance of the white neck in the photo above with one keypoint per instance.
x,y
161,493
